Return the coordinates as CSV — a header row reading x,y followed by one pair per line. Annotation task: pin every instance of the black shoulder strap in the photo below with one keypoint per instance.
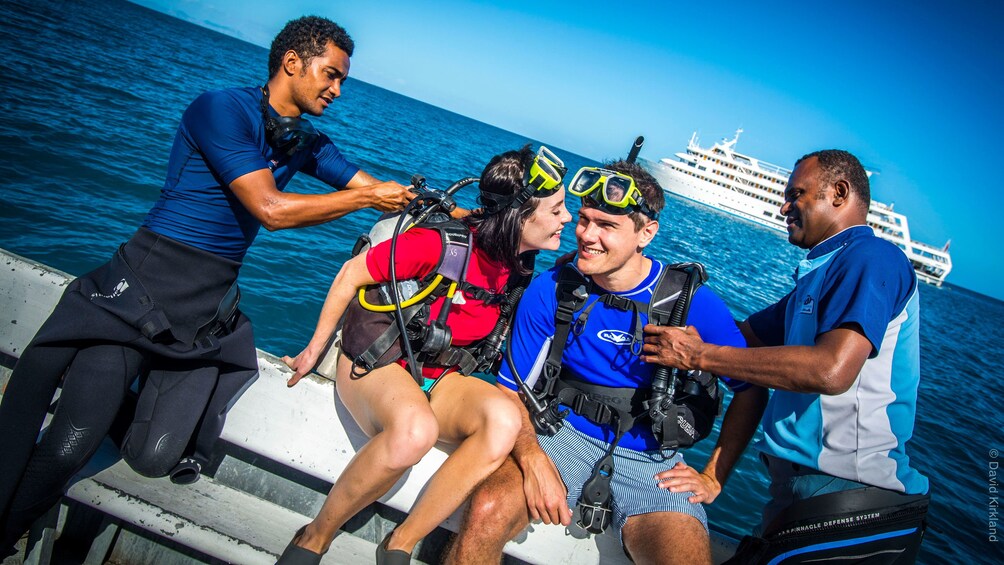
x,y
675,280
572,291
490,352
458,246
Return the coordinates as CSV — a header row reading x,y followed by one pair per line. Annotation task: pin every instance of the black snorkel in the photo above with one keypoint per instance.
x,y
635,148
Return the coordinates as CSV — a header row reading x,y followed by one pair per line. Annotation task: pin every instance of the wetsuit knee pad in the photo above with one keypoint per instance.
x,y
169,408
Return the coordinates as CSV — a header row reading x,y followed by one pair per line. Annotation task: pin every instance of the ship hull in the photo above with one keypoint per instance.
x,y
750,189
728,201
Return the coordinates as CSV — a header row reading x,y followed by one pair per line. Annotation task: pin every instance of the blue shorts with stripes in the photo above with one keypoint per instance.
x,y
633,487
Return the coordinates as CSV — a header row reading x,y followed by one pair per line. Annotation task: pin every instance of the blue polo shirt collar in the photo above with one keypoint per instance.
x,y
838,240
824,250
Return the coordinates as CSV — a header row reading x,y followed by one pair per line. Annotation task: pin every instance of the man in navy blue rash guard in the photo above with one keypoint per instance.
x,y
842,353
656,497
164,307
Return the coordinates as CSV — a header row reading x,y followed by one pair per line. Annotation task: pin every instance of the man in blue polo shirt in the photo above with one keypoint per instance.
x,y
841,352
655,497
165,306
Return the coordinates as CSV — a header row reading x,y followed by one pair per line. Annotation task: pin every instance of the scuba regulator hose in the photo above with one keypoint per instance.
x,y
546,416
594,503
435,200
665,379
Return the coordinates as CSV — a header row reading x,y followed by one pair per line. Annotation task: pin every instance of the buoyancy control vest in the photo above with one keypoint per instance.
x,y
683,405
375,339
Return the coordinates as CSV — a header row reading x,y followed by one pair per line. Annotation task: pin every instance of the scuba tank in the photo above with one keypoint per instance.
x,y
431,206
385,312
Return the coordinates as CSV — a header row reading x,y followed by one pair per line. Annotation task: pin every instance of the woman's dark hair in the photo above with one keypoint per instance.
x,y
308,37
498,234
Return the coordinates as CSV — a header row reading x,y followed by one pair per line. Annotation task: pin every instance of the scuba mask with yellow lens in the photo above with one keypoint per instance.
x,y
542,179
610,191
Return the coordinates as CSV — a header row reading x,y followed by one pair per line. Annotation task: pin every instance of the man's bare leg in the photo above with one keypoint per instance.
x,y
667,537
496,514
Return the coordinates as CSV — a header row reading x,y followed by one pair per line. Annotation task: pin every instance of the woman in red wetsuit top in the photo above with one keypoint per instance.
x,y
521,215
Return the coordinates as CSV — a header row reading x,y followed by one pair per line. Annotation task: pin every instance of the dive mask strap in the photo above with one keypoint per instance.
x,y
495,203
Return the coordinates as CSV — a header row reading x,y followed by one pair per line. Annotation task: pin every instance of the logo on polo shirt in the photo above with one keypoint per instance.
x,y
807,305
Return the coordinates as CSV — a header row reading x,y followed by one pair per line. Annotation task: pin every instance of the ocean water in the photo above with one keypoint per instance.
x,y
91,94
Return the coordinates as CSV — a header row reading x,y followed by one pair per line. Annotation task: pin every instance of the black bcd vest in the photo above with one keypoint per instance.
x,y
693,399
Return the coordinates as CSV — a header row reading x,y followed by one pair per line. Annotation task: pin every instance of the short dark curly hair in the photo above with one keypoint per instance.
x,y
308,37
838,164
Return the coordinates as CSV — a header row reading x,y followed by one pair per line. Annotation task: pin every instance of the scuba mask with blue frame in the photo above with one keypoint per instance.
x,y
287,134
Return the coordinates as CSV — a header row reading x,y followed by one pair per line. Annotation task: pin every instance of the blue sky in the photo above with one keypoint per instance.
x,y
914,89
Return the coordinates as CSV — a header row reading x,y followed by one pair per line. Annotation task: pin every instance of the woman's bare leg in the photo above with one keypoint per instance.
x,y
478,418
394,412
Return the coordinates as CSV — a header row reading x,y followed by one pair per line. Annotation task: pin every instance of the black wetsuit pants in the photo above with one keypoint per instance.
x,y
87,408
152,312
868,525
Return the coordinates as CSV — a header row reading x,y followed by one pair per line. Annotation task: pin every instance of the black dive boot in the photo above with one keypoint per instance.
x,y
8,543
386,556
7,552
296,555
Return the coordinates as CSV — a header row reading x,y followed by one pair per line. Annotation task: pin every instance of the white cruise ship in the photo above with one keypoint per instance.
x,y
754,190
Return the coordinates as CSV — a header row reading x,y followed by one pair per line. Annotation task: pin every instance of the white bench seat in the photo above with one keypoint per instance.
x,y
214,519
304,428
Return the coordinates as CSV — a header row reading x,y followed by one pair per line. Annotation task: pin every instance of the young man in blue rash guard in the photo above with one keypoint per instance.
x,y
165,307
842,353
655,501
